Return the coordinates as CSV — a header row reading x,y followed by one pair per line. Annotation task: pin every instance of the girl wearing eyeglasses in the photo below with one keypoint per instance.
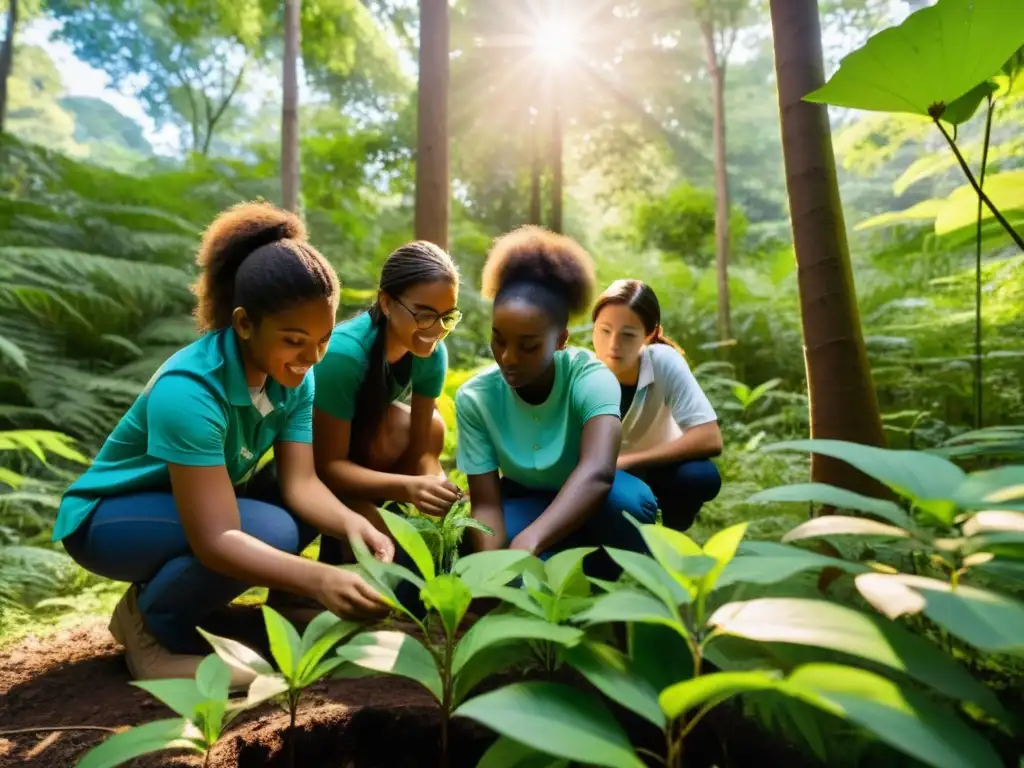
x,y
377,433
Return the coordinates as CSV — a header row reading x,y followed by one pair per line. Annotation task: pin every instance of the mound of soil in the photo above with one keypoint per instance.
x,y
77,680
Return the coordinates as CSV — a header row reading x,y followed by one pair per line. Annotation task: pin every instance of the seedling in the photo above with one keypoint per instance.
x,y
301,661
443,535
204,712
449,668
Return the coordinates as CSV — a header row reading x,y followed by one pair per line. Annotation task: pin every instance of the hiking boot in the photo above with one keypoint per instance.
x,y
299,610
146,658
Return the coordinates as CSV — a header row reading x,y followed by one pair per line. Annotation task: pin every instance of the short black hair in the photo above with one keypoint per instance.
x,y
543,268
256,256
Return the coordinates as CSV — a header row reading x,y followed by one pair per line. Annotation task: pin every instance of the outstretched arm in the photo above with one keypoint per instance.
x,y
700,442
485,500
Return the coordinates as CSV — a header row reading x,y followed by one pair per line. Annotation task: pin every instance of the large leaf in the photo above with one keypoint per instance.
x,y
986,620
285,643
841,525
651,576
823,493
411,541
901,717
499,628
506,753
489,662
264,688
1005,190
181,695
767,562
492,568
928,480
554,719
520,598
611,672
629,605
175,733
381,576
722,547
660,655
932,59
679,555
565,567
236,655
213,678
395,653
321,635
835,627
715,688
450,598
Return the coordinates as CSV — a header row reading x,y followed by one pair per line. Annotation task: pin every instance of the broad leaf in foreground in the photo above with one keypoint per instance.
x,y
175,733
768,562
395,653
611,672
506,753
678,699
841,525
499,628
840,498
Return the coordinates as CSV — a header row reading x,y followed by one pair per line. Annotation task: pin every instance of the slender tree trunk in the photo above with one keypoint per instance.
x,y
716,72
556,168
432,182
290,112
7,59
843,402
535,171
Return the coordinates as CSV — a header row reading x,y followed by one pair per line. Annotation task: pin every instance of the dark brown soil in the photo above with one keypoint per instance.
x,y
78,678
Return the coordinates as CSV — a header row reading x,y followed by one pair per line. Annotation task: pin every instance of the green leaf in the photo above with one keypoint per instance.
x,y
993,487
520,598
13,353
767,562
659,654
990,622
562,567
715,688
236,655
213,679
487,663
450,598
556,720
821,624
841,525
492,568
497,628
175,733
285,644
678,554
380,577
629,605
264,688
209,718
901,717
823,493
722,547
934,57
411,541
993,521
506,753
928,480
963,109
395,653
611,672
1004,189
651,576
181,695
321,635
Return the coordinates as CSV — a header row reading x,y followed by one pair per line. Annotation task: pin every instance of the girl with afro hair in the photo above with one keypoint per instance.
x,y
539,433
170,503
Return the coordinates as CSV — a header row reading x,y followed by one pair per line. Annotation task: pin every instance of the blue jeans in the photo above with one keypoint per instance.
x,y
606,526
138,538
682,489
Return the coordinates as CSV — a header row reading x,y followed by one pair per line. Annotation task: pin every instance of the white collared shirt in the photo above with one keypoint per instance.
x,y
668,401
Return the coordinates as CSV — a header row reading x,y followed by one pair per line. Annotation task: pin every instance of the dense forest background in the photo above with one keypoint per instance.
x,y
100,212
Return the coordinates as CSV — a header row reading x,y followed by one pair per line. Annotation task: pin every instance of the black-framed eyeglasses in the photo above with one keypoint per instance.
x,y
425,318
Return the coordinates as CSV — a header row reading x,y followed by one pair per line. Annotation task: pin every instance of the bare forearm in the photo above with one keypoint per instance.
x,y
240,556
494,518
350,480
697,443
584,491
314,503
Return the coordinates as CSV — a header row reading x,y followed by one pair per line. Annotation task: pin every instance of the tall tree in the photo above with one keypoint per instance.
x,y
843,402
290,108
432,185
7,58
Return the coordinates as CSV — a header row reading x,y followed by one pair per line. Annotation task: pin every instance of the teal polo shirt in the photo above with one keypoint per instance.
x,y
343,369
537,446
197,410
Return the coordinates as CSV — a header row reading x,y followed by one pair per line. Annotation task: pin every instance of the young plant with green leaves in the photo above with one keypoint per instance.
x,y
674,636
203,709
301,660
443,535
448,665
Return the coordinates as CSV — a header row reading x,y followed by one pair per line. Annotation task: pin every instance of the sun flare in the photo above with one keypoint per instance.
x,y
555,41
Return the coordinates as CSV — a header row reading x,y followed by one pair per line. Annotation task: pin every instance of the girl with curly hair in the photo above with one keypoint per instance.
x,y
669,428
171,503
539,433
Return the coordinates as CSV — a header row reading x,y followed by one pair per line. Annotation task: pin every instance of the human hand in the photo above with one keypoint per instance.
x,y
625,461
380,544
432,494
345,594
526,540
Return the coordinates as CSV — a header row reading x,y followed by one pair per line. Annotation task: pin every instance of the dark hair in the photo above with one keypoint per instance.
x,y
412,264
640,298
255,256
545,269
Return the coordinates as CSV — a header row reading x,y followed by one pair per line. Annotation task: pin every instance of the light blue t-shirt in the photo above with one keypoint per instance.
x,y
537,446
197,410
341,372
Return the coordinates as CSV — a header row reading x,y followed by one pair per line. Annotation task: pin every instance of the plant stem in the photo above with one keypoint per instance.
x,y
977,276
39,728
981,194
446,703
291,732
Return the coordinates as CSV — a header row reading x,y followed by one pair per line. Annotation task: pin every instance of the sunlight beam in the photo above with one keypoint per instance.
x,y
555,42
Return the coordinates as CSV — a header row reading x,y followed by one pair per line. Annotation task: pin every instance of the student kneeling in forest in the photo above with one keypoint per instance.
x,y
170,503
669,429
538,435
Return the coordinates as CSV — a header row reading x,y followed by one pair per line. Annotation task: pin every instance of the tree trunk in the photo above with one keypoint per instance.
x,y
716,72
556,168
290,111
432,183
7,59
843,402
535,171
